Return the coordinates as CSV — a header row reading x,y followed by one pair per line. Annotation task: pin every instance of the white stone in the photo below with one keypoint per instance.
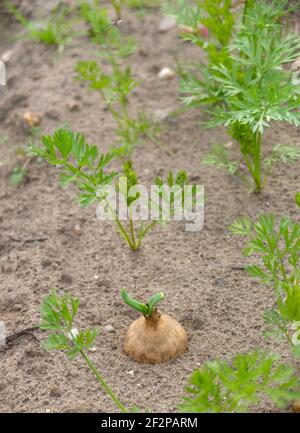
x,y
108,329
166,74
6,56
166,24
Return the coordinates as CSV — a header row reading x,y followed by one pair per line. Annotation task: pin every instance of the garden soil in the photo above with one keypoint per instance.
x,y
47,240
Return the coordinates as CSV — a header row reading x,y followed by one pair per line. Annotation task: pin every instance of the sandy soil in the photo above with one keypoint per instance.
x,y
220,307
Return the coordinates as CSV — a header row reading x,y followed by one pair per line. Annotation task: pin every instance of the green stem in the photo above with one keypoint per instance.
x,y
124,234
284,330
246,5
103,383
257,161
131,228
248,164
133,303
121,228
144,232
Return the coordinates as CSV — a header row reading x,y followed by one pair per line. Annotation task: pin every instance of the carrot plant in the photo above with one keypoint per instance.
x,y
244,81
56,30
58,315
258,91
103,31
114,88
118,5
209,25
278,248
236,386
84,165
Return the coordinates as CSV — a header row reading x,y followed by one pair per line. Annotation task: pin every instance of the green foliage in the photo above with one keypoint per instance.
x,y
118,5
220,386
84,165
219,158
58,314
103,31
17,176
80,162
209,25
142,4
257,88
57,30
244,80
278,249
146,309
115,87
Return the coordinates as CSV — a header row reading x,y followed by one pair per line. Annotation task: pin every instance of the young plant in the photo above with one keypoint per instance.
x,y
84,165
236,386
210,26
244,80
57,30
142,5
58,316
154,337
118,5
20,170
103,31
278,248
258,90
114,88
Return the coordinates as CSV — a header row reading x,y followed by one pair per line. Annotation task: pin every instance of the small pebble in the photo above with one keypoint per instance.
x,y
55,391
46,262
73,106
185,29
32,119
77,229
166,74
73,334
296,65
52,114
109,329
93,349
6,56
131,373
66,278
166,24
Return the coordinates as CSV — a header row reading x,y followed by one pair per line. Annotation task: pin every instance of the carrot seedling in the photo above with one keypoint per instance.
x,y
58,315
278,248
103,31
84,165
154,337
236,386
245,81
114,88
57,30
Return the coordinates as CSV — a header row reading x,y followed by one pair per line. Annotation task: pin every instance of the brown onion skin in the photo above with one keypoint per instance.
x,y
296,406
156,339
